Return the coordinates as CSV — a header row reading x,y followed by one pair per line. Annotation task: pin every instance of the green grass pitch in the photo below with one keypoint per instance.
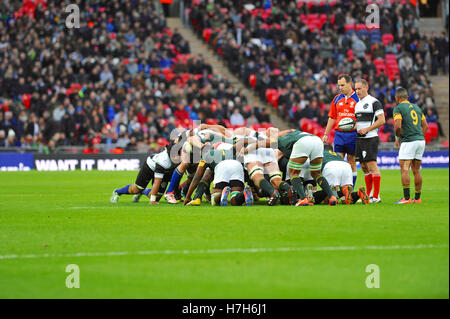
x,y
133,250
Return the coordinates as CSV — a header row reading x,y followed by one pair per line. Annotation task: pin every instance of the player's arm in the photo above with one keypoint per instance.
x,y
379,121
397,128
259,144
155,189
218,128
195,141
283,133
195,181
424,125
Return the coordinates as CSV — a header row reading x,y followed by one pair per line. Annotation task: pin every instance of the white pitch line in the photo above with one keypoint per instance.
x,y
224,251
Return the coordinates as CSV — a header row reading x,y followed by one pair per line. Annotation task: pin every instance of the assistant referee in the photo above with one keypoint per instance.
x,y
369,118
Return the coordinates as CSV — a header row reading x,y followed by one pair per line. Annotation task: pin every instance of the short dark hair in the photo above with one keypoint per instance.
x,y
327,147
363,82
401,93
347,77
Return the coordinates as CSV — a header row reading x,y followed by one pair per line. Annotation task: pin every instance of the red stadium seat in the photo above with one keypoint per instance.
x,y
387,38
433,129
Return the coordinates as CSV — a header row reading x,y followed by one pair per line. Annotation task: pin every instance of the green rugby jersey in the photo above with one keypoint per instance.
x,y
329,156
214,157
286,142
411,116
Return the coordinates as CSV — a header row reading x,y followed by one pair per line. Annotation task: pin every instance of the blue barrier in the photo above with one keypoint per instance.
x,y
434,159
61,162
16,161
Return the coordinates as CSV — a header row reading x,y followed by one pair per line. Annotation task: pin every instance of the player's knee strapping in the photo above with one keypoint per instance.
x,y
274,175
255,171
315,167
294,165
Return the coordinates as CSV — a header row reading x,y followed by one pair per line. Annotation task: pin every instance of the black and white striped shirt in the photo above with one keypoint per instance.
x,y
366,112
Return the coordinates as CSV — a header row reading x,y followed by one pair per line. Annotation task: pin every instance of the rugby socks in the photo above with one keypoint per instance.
x,y
417,195
147,191
369,181
323,183
406,194
123,190
175,180
200,189
266,187
376,178
355,175
284,187
298,186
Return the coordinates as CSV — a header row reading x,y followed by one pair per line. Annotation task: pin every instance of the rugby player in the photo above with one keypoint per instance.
x,y
369,118
157,168
299,146
228,177
410,127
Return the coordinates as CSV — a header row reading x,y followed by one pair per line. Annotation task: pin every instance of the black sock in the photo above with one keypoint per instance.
x,y
266,187
406,194
355,197
284,187
323,183
417,195
200,190
298,186
239,199
319,196
340,193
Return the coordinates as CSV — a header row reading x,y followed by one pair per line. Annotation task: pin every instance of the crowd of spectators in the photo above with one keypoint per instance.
x,y
123,79
291,52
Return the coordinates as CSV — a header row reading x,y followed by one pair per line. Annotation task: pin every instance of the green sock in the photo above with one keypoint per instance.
x,y
406,193
298,186
266,187
200,189
284,187
323,183
417,195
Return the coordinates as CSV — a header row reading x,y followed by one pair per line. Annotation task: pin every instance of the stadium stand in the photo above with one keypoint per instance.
x,y
123,79
285,50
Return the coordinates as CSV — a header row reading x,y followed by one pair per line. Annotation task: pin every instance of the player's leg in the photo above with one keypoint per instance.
x,y
201,188
376,180
415,166
144,177
275,176
238,196
294,167
404,169
315,167
316,173
351,160
256,174
175,181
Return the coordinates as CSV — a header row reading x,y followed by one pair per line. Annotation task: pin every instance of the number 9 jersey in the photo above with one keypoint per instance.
x,y
411,116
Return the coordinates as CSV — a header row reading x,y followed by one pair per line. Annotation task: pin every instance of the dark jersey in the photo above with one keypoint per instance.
x,y
329,156
411,116
286,142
